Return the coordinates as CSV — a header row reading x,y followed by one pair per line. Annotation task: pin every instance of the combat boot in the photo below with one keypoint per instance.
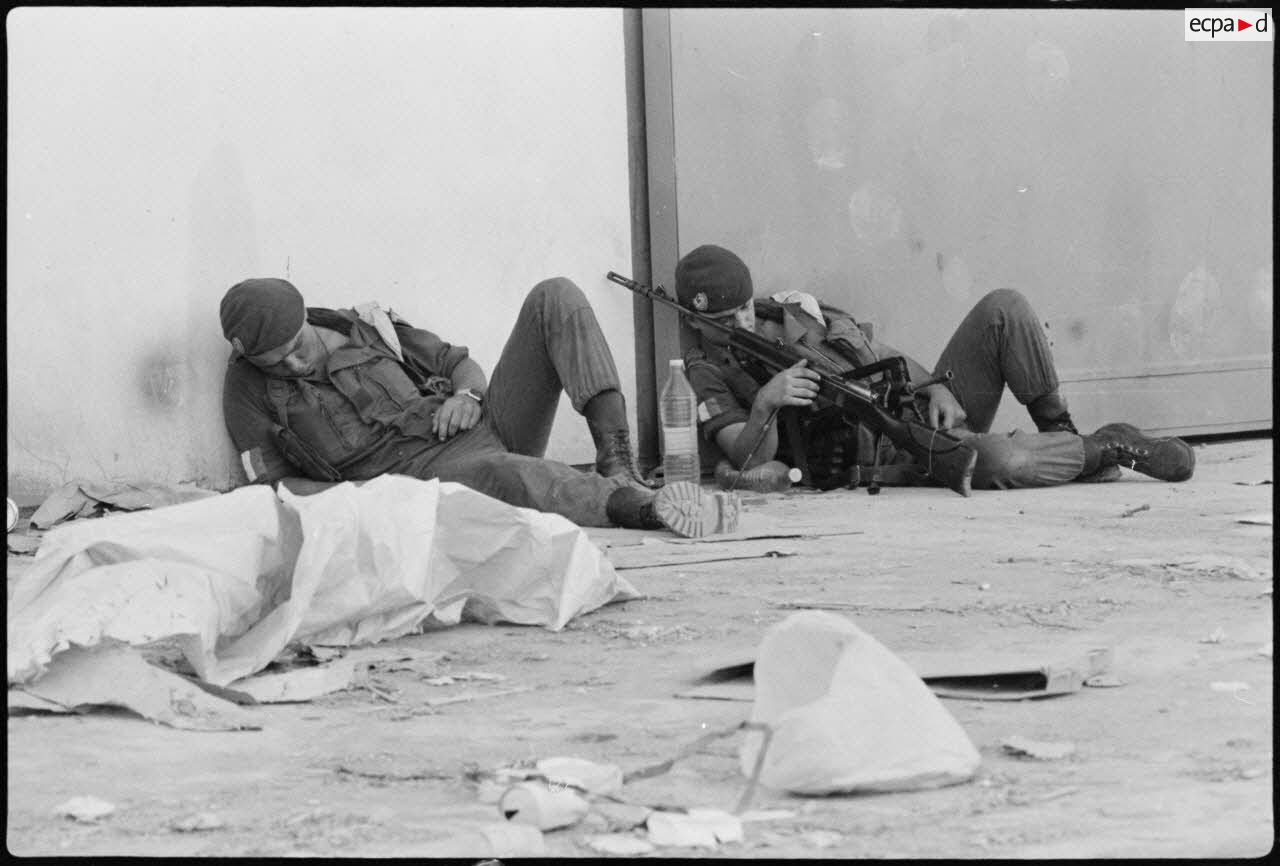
x,y
682,508
606,415
1167,458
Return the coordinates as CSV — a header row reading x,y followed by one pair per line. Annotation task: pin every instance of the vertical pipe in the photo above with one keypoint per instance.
x,y
646,407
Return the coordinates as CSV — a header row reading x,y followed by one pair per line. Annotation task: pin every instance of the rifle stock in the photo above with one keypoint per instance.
x,y
946,458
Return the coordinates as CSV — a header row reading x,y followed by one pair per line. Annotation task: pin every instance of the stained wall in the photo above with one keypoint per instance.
x,y
438,161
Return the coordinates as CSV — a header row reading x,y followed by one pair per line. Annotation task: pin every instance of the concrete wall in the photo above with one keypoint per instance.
x,y
902,162
439,161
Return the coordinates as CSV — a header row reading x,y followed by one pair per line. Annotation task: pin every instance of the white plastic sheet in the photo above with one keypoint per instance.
x,y
240,576
848,715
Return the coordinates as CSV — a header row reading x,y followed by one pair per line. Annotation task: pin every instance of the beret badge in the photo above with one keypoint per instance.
x,y
700,301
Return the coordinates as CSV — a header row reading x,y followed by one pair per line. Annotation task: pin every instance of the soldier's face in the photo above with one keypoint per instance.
x,y
296,359
743,317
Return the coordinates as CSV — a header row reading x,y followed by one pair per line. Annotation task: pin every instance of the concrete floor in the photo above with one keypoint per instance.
x,y
1169,763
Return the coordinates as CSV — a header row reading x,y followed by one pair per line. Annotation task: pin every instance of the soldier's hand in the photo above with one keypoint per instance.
x,y
455,415
944,410
795,386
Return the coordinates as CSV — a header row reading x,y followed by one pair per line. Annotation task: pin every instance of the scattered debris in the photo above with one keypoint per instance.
x,y
1263,519
546,807
1265,650
984,586
1133,511
119,676
621,844
86,809
671,553
1104,681
698,828
1253,483
475,696
622,816
463,677
198,823
1041,751
1209,566
589,776
300,684
1215,636
82,498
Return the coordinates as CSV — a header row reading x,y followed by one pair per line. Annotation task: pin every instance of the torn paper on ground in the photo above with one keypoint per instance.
x,y
237,577
118,676
85,498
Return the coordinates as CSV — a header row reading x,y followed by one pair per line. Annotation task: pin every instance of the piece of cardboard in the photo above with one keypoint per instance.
x,y
980,677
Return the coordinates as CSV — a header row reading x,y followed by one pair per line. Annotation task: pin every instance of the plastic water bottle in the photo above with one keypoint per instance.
x,y
678,409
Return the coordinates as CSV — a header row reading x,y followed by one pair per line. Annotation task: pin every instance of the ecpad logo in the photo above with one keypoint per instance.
x,y
1227,25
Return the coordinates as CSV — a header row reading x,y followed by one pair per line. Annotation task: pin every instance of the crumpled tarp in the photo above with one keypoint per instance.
x,y
239,576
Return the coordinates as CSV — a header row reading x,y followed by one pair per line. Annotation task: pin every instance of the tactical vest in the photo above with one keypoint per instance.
x,y
304,455
832,450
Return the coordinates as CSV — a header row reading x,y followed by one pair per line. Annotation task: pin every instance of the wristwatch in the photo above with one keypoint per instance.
x,y
470,392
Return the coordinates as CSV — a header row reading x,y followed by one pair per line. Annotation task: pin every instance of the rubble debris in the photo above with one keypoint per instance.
x,y
1132,511
119,676
1215,636
475,696
463,677
82,498
298,685
621,816
85,809
847,715
697,828
671,553
1229,686
1262,519
547,807
621,844
1265,650
1041,751
589,776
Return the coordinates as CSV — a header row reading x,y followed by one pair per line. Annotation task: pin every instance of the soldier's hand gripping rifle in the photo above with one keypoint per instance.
x,y
946,458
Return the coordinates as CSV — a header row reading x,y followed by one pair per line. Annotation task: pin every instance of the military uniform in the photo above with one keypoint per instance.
x,y
1000,342
372,414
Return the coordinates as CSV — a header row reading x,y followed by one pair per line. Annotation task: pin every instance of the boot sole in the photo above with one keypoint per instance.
x,y
689,512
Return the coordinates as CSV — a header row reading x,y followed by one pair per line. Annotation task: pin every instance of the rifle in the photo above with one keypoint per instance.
x,y
945,458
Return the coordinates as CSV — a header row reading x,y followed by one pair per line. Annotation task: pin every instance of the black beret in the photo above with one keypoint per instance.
x,y
710,279
259,315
